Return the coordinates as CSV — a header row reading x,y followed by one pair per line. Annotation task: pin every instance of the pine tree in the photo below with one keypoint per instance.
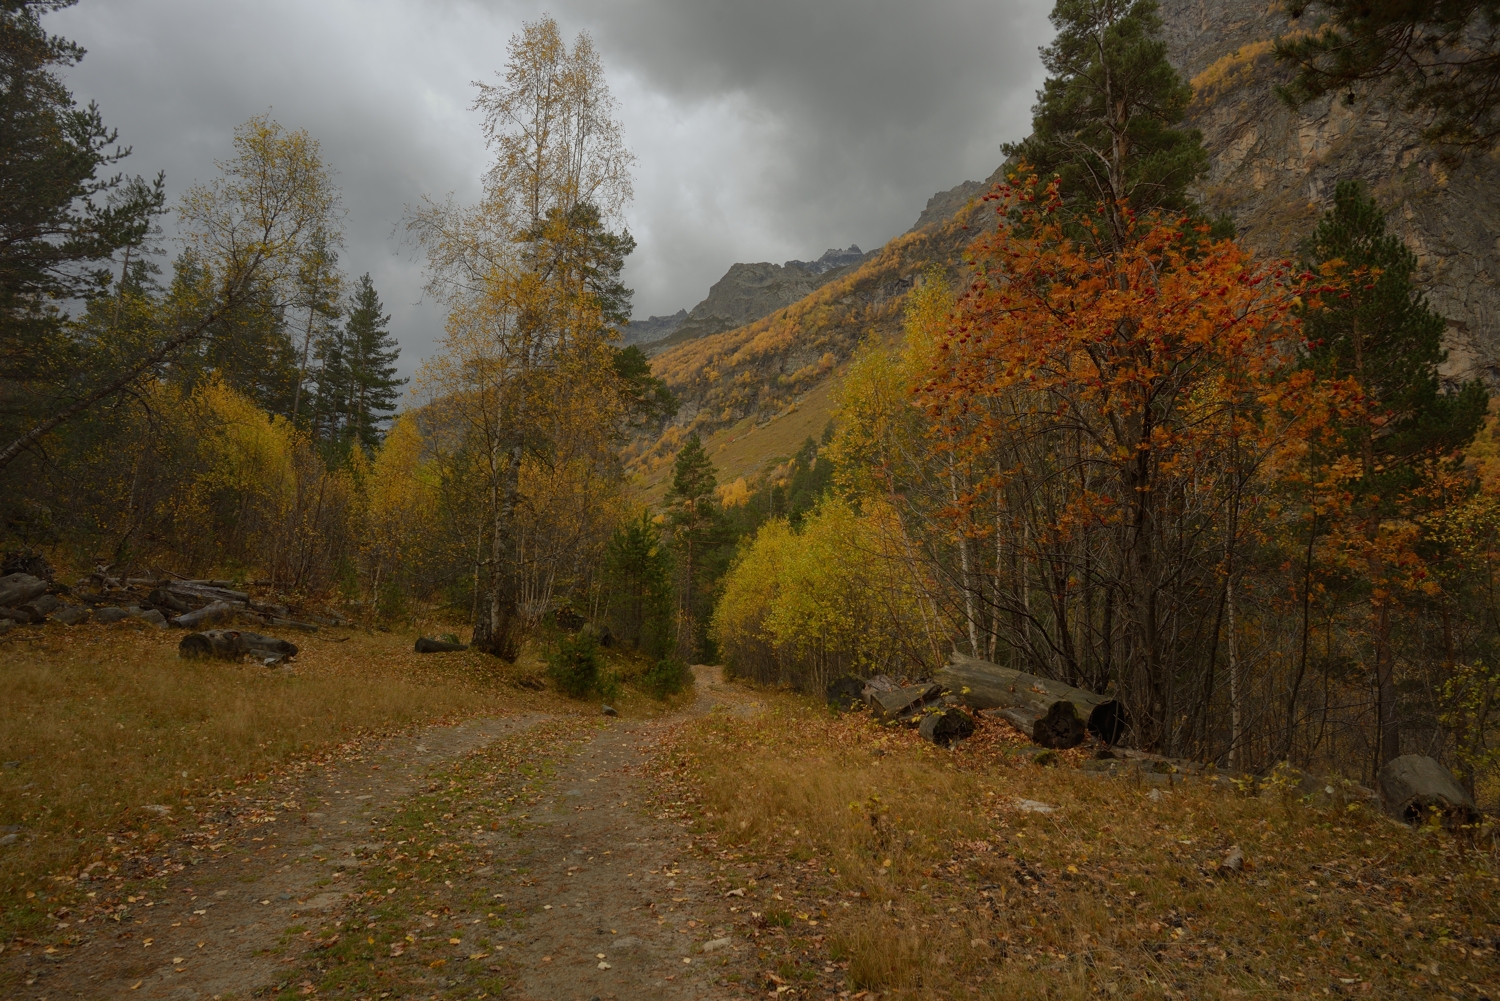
x,y
1108,119
693,515
1383,334
638,566
357,384
1386,336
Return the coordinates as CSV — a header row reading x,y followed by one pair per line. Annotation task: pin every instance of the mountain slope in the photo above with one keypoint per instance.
x,y
1273,168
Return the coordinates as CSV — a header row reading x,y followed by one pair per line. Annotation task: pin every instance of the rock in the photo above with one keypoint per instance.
x,y
6,626
1042,756
9,839
110,614
40,608
425,645
1234,860
715,944
946,726
72,615
1415,787
157,809
19,588
1034,806
154,617
609,711
600,633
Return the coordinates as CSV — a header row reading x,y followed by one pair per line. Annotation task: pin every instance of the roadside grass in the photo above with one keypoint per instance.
x,y
902,869
101,724
429,913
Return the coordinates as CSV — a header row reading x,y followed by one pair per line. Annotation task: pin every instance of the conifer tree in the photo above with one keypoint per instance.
x,y
1108,120
1383,334
359,371
692,513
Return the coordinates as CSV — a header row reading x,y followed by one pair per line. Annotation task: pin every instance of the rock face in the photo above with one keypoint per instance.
x,y
1274,169
746,293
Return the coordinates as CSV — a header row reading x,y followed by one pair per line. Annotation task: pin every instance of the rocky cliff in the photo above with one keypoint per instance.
x,y
1274,169
746,293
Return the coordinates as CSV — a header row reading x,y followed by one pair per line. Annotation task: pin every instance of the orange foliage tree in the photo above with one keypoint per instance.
x,y
1112,412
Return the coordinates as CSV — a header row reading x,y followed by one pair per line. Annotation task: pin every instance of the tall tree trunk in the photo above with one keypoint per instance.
x,y
498,631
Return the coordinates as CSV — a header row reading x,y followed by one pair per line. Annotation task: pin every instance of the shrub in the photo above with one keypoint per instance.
x,y
667,676
574,665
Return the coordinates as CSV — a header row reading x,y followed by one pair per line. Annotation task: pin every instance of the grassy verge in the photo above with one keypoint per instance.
x,y
104,729
893,867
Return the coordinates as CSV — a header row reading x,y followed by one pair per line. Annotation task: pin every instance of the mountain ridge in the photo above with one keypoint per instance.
x,y
1272,169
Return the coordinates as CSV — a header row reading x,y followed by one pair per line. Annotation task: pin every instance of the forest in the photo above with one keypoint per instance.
x,y
1112,446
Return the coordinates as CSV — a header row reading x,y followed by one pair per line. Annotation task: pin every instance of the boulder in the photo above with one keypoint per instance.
x,y
1415,787
72,615
41,607
18,588
152,616
110,613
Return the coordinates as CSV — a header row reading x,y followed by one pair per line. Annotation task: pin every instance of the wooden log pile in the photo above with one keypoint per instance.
x,y
1052,714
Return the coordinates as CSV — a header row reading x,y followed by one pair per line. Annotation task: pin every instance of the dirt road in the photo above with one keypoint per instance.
x,y
555,882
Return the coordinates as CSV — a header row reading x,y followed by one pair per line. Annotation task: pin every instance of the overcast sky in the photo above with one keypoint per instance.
x,y
764,129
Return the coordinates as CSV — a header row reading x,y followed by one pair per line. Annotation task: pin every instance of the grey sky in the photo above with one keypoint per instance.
x,y
764,129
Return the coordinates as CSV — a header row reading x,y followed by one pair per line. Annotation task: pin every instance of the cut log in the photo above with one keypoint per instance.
x,y
1415,787
1051,713
425,645
905,701
846,692
945,726
219,611
19,588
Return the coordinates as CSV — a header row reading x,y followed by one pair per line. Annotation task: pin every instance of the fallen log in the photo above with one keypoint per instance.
x,y
1053,714
19,588
425,645
163,597
219,611
205,592
945,726
1415,786
231,644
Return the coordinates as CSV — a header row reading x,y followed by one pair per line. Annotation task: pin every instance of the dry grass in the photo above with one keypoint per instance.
x,y
99,722
918,871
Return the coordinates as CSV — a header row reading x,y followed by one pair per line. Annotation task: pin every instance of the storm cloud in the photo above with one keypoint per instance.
x,y
763,130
